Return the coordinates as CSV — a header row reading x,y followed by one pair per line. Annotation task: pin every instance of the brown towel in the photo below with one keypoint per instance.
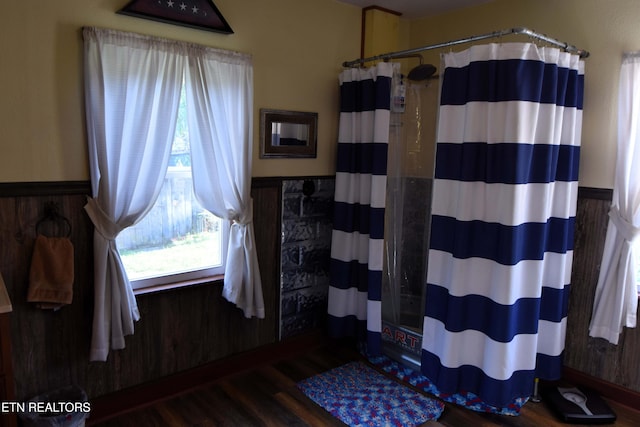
x,y
51,274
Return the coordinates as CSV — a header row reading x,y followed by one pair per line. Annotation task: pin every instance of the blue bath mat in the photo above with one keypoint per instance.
x,y
360,396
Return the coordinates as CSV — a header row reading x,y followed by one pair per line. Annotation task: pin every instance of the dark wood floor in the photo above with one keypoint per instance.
x,y
265,395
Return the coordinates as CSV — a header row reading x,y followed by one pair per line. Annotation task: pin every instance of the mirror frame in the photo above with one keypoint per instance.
x,y
268,150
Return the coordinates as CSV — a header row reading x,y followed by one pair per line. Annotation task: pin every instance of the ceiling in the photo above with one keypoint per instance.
x,y
412,9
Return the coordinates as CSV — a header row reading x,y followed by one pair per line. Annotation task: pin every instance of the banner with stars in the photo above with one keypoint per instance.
x,y
200,14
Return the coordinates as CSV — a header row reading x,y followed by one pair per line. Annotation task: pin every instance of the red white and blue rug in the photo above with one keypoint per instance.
x,y
361,396
466,399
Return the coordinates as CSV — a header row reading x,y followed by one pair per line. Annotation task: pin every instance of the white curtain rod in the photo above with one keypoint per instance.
x,y
520,30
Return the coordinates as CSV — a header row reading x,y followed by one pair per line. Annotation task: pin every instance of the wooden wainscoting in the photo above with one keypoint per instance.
x,y
187,328
614,364
179,329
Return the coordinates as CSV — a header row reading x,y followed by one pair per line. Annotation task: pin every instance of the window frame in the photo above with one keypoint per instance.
x,y
187,278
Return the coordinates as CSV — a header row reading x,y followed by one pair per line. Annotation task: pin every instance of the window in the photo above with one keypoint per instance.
x,y
616,298
133,83
178,240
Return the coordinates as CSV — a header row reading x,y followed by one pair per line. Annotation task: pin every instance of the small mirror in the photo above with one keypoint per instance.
x,y
288,133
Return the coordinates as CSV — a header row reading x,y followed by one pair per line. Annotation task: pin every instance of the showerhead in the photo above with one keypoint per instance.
x,y
421,72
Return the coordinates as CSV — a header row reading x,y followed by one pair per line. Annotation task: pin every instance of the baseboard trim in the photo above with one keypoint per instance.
x,y
608,390
121,402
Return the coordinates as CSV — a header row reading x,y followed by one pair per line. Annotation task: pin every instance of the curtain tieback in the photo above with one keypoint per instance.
x,y
245,217
101,221
624,227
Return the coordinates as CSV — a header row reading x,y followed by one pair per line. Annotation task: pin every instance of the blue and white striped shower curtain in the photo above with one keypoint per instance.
x,y
503,210
360,191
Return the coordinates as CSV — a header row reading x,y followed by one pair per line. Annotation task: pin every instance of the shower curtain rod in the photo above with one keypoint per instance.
x,y
520,30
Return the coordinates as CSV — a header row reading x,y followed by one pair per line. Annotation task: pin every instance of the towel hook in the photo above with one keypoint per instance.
x,y
51,214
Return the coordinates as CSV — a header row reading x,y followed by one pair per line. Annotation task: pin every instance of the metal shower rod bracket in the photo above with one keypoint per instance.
x,y
496,34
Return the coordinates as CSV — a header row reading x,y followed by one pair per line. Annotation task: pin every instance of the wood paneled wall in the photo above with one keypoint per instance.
x,y
185,328
617,364
179,329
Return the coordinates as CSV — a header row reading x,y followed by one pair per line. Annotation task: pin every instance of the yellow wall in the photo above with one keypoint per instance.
x,y
297,47
606,28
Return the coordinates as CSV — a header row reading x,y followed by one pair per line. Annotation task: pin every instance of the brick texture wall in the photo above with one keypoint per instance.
x,y
306,246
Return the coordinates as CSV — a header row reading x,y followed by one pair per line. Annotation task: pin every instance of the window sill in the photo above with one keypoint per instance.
x,y
218,279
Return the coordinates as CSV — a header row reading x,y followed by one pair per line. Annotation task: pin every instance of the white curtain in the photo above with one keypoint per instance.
x,y
616,299
220,94
132,90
